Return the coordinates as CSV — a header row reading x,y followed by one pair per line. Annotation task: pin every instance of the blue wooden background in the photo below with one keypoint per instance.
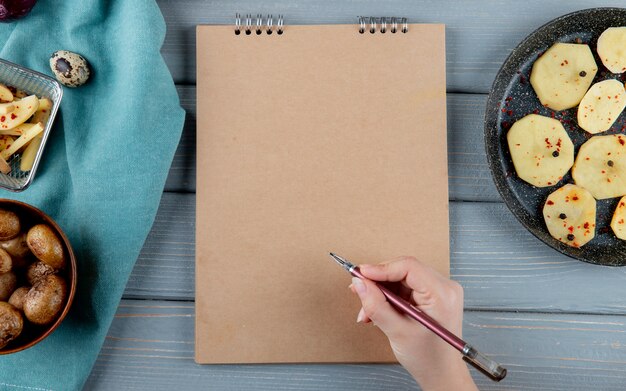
x,y
556,323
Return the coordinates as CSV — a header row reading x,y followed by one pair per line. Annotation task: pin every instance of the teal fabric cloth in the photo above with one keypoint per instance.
x,y
104,167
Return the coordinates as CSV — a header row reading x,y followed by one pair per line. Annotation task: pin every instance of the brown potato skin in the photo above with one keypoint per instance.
x,y
8,283
46,246
11,323
16,247
45,300
17,298
9,225
6,262
38,270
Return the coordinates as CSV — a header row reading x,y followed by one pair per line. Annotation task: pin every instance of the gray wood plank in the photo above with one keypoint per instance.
x,y
182,174
480,34
469,175
150,346
500,265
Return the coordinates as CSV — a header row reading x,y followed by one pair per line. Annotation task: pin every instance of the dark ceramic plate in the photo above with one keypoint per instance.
x,y
512,97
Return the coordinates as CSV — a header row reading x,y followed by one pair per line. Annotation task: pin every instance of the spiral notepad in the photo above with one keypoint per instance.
x,y
312,139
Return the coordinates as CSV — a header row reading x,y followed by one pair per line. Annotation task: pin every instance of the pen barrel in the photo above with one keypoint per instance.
x,y
406,307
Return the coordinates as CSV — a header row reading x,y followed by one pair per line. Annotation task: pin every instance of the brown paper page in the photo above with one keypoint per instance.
x,y
320,139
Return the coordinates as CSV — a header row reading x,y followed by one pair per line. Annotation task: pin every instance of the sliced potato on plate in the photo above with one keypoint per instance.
x,y
570,215
612,49
562,75
618,222
600,166
541,150
601,106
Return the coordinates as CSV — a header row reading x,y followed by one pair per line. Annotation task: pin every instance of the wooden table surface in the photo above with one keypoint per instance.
x,y
556,323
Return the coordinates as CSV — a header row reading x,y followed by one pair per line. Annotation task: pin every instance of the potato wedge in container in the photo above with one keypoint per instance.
x,y
29,101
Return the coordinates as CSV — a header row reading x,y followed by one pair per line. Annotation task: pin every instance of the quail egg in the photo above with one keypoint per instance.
x,y
71,69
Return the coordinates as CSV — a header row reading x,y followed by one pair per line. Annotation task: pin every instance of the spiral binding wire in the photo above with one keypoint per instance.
x,y
382,22
258,25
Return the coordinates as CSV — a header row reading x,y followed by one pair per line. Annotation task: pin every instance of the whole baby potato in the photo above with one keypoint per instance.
x,y
45,300
16,247
6,262
9,225
46,246
38,270
8,283
17,298
11,323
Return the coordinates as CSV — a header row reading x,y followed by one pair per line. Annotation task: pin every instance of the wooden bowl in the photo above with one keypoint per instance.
x,y
33,334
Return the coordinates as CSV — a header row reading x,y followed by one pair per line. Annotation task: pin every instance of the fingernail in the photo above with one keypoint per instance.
x,y
359,286
360,316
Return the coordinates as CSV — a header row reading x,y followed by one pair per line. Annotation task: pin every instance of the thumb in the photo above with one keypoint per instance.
x,y
378,309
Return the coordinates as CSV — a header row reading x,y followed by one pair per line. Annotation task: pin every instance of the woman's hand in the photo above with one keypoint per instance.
x,y
433,363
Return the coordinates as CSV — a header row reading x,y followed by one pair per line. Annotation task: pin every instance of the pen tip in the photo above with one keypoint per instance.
x,y
344,263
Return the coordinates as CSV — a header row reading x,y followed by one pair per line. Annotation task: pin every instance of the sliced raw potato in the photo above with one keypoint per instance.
x,y
570,215
43,111
600,166
22,140
24,109
6,108
5,94
618,223
601,106
562,75
612,49
18,130
19,94
13,117
6,142
541,150
29,154
4,166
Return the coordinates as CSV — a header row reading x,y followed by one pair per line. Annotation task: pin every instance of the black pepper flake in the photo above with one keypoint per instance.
x,y
610,163
562,216
570,237
582,74
555,153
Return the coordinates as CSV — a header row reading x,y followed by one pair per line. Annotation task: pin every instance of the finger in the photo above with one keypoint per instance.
x,y
376,308
361,317
414,273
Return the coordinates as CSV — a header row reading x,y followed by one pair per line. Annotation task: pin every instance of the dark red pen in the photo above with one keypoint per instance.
x,y
485,365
